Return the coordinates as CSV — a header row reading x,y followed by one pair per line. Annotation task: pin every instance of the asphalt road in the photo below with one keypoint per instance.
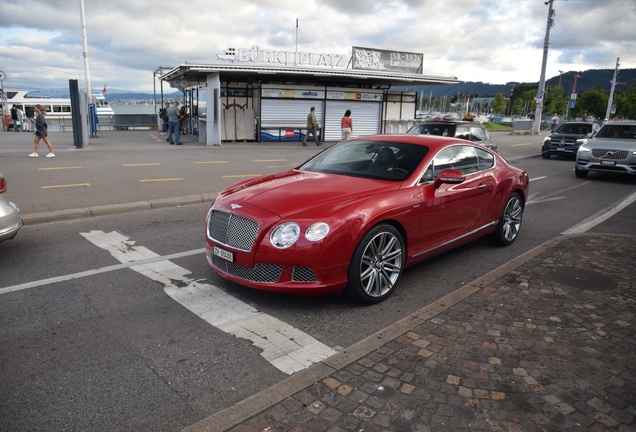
x,y
89,343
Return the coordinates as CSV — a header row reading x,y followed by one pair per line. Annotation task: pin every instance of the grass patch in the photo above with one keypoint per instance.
x,y
495,126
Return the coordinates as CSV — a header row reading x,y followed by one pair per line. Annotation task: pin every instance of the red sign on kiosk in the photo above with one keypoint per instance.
x,y
289,133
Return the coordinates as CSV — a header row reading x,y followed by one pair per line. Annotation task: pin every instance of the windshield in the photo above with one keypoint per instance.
x,y
575,129
627,131
431,129
369,159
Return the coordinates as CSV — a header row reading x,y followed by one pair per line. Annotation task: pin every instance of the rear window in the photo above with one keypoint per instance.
x,y
426,129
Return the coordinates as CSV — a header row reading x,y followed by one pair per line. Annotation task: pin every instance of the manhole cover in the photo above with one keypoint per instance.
x,y
582,279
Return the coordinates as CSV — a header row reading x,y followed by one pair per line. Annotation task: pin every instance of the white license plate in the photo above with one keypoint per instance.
x,y
560,149
606,162
223,254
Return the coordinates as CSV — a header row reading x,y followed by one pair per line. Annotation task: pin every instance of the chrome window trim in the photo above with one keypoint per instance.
x,y
494,165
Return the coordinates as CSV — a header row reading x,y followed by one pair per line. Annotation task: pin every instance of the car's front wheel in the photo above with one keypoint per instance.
x,y
376,265
509,222
580,173
545,152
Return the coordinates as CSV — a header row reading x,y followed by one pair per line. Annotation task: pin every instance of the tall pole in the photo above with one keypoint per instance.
x,y
85,43
611,96
541,94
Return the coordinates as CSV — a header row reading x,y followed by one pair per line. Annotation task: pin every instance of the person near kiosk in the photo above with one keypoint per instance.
x,y
346,125
312,127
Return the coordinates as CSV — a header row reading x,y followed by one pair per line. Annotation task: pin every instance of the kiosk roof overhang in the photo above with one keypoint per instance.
x,y
241,73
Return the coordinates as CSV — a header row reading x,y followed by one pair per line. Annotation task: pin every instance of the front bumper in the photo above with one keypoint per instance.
x,y
283,278
587,162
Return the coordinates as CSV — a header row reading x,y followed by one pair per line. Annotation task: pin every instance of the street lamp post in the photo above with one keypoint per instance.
x,y
541,93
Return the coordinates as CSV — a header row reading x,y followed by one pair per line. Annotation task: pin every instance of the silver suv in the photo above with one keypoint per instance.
x,y
613,149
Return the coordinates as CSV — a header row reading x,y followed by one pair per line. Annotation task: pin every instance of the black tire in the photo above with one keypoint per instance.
x,y
509,222
580,173
376,265
546,155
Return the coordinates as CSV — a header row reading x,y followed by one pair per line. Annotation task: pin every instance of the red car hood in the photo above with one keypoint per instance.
x,y
292,192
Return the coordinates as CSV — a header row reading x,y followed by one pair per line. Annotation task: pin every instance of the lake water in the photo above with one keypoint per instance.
x,y
134,109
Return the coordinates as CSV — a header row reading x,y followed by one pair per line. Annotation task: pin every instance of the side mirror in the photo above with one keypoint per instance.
x,y
449,176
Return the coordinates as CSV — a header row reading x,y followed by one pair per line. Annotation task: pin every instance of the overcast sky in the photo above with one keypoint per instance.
x,y
494,41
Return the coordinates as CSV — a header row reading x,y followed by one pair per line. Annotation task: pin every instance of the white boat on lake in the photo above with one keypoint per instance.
x,y
56,107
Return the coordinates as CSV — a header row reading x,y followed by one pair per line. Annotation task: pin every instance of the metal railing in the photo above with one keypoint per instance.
x,y
114,122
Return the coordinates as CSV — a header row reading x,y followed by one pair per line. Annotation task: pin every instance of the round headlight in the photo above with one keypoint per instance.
x,y
317,231
285,235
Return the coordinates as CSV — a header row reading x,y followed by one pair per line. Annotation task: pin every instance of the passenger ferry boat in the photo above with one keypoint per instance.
x,y
56,107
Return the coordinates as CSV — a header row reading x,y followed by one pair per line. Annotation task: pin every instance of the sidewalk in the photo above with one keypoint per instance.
x,y
544,343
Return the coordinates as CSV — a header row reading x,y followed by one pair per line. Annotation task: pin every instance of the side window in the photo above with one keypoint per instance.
x,y
477,134
486,160
462,158
466,160
462,132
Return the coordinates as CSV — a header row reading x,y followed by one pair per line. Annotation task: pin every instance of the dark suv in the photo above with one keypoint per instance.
x,y
567,138
470,131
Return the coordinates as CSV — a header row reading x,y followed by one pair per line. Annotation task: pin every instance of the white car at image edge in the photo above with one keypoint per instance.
x,y
10,220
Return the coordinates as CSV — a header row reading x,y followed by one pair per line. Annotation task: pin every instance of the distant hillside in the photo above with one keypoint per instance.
x,y
590,79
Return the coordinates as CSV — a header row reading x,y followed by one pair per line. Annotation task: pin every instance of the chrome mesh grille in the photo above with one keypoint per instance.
x,y
232,230
616,154
303,274
266,273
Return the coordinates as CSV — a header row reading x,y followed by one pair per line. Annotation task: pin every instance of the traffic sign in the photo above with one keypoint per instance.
x,y
572,103
613,110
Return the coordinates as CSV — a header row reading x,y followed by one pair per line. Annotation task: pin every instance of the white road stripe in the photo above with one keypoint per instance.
x,y
284,346
87,273
600,216
551,195
538,178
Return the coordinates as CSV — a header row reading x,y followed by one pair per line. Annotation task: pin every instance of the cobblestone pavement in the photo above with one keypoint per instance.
x,y
546,346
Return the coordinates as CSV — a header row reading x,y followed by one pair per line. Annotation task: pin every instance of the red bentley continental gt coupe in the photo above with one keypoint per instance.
x,y
355,215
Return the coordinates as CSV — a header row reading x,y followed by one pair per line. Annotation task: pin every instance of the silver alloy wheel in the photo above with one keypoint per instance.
x,y
512,218
381,264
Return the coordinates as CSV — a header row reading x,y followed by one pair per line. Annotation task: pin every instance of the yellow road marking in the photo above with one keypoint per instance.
x,y
210,162
68,185
244,175
58,168
270,160
148,164
519,145
160,180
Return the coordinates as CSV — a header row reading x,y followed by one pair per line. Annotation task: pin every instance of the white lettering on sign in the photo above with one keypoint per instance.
x,y
257,55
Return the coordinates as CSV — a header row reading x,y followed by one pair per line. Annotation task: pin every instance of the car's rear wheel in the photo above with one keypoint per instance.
x,y
376,265
509,222
580,173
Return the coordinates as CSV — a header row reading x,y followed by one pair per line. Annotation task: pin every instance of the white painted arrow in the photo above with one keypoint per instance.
x,y
284,346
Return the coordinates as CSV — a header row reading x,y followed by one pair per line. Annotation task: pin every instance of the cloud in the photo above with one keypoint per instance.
x,y
493,41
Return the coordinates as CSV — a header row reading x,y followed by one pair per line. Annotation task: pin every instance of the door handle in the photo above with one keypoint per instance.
x,y
481,187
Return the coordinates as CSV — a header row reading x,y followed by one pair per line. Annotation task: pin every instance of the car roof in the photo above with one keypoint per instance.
x,y
433,142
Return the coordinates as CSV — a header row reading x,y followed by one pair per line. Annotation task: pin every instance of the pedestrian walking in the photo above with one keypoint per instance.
x,y
173,124
554,122
346,125
41,131
312,127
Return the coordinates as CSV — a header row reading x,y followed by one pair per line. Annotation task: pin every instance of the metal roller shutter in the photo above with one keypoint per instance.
x,y
282,113
365,115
